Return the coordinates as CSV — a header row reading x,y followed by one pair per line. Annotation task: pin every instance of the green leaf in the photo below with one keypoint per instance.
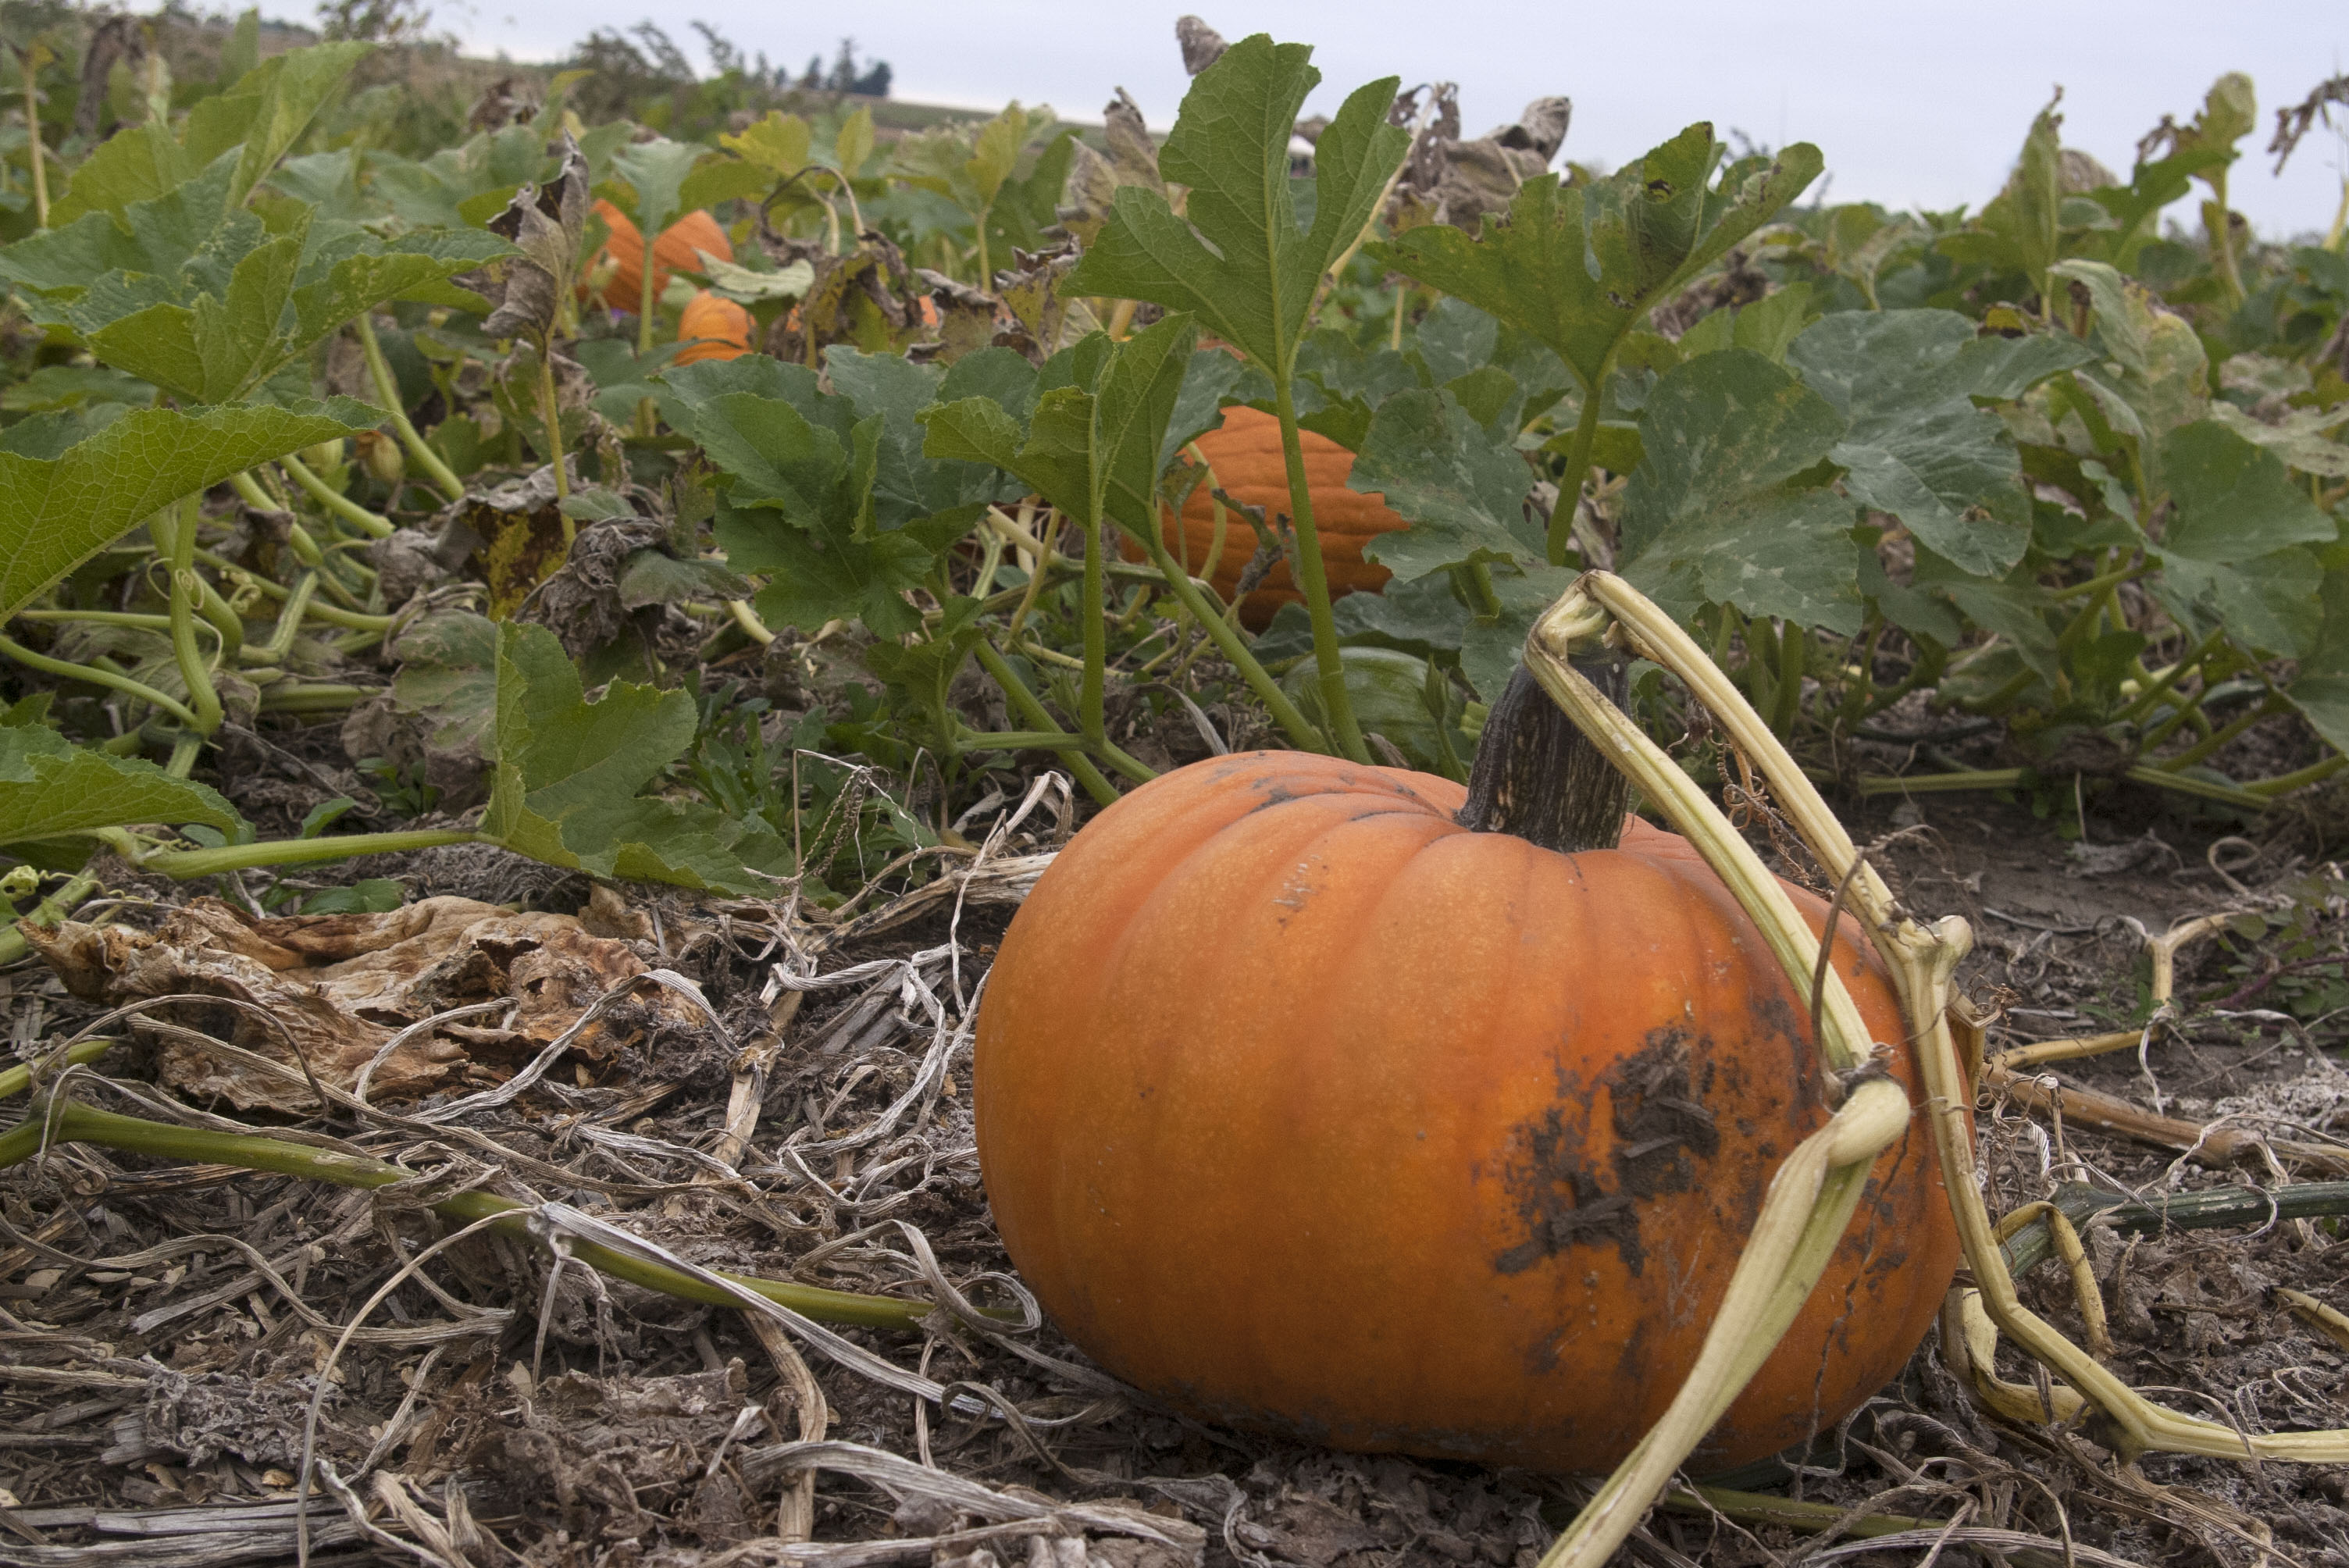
x,y
656,171
58,512
1462,490
908,485
1095,453
267,112
200,298
136,164
1238,257
569,773
2231,552
1648,229
2302,438
50,789
1722,509
1917,447
2022,229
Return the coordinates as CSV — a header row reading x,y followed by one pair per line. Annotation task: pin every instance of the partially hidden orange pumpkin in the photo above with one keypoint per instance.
x,y
712,328
1307,1109
1245,456
695,232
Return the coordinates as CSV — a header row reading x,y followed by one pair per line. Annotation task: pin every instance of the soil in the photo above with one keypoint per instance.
x,y
491,1409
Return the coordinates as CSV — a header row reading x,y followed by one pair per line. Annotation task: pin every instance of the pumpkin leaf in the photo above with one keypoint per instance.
x,y
51,789
191,293
569,772
1917,447
1462,490
58,511
907,484
1721,508
655,171
1094,447
1649,228
1238,257
2232,554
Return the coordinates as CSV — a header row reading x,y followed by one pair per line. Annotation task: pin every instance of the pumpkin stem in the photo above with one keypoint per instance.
x,y
1538,777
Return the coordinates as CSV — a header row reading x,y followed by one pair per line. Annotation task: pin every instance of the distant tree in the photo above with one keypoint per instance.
x,y
375,21
845,77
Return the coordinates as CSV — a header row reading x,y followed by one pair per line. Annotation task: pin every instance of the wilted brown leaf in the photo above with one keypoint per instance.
x,y
343,984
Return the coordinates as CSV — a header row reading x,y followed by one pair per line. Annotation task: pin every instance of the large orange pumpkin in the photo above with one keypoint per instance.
x,y
1245,456
712,328
695,232
1306,1109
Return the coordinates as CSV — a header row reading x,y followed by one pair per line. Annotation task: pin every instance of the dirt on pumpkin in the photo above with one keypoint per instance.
x,y
168,1330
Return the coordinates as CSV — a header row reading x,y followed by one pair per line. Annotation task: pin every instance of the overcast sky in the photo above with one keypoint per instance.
x,y
1912,104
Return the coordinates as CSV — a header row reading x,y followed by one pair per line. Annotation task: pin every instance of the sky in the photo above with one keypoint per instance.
x,y
1912,104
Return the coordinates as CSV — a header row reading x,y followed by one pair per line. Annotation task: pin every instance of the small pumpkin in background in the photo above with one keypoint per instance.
x,y
712,328
675,251
1245,456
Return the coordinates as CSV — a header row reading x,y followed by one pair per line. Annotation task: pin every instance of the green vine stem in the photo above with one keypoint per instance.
x,y
550,409
333,615
1095,784
1299,729
175,541
1314,582
334,501
2272,706
183,864
386,388
2284,783
67,670
16,1080
2160,685
2251,797
68,1122
1577,470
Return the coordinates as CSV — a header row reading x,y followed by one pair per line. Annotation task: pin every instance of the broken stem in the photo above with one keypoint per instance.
x,y
68,1122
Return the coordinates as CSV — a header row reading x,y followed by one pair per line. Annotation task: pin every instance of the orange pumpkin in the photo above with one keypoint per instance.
x,y
1308,1110
1245,456
712,328
678,243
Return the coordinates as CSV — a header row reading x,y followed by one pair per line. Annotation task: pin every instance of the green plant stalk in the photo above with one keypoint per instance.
x,y
1299,729
2300,779
1794,650
16,1080
2220,224
1997,701
34,145
334,615
1926,671
1095,784
2102,582
1096,634
305,697
1335,701
289,618
1577,470
387,387
127,685
73,1123
2208,788
1941,783
369,523
2189,661
2219,736
182,864
550,409
2087,620
175,539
